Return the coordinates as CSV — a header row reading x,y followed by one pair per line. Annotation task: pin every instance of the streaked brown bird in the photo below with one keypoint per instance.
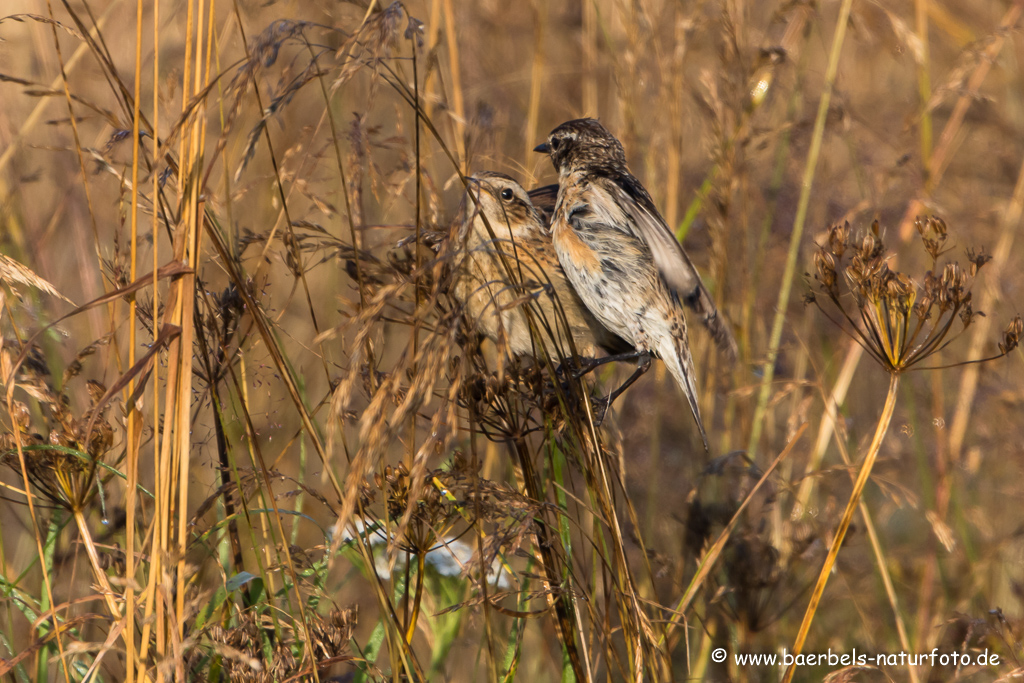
x,y
512,265
622,259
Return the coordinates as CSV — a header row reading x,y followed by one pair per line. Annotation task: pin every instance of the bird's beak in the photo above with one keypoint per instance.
x,y
543,148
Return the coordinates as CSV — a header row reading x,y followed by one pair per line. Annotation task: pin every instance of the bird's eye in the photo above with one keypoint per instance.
x,y
507,194
554,144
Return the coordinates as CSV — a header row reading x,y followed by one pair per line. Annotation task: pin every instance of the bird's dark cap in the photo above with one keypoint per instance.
x,y
583,142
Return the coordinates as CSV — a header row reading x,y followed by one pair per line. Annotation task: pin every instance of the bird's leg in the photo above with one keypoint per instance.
x,y
588,365
601,405
643,364
584,366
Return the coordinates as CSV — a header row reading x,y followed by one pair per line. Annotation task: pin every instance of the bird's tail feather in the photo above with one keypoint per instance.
x,y
675,353
716,325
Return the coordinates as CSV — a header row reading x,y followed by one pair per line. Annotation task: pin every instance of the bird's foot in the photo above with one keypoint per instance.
x,y
599,409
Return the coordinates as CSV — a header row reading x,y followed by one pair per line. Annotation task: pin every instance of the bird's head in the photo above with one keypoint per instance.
x,y
506,205
582,142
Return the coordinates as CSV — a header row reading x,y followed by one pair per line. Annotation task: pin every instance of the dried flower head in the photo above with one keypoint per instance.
x,y
933,235
430,515
246,656
898,320
62,458
1011,335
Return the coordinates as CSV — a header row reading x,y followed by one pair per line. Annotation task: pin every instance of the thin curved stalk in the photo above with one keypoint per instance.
x,y
94,562
890,590
798,229
828,425
844,524
707,563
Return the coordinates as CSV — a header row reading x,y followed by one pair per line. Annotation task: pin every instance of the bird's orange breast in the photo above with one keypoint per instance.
x,y
571,247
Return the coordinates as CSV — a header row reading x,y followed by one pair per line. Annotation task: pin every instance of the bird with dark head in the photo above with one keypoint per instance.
x,y
584,142
622,259
507,269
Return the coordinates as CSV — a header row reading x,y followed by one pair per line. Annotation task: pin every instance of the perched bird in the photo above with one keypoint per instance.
x,y
622,259
512,264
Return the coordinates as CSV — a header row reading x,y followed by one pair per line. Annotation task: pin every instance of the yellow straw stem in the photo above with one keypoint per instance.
x,y
420,566
844,525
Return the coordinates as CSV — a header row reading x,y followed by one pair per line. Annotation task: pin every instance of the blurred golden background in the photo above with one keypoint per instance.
x,y
280,144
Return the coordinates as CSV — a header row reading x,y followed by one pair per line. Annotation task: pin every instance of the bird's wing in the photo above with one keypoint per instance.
x,y
544,200
675,266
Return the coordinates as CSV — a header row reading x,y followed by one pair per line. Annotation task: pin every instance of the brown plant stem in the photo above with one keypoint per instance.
x,y
844,524
94,562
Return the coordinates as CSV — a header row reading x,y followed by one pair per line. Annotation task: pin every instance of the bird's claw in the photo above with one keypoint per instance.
x,y
599,409
576,368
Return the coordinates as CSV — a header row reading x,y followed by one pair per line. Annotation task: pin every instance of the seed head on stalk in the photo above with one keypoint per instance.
x,y
898,320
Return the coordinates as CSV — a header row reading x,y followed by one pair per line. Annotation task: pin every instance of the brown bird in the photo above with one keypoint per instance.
x,y
513,264
622,259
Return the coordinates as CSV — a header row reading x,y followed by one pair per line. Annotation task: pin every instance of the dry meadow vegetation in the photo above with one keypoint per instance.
x,y
249,435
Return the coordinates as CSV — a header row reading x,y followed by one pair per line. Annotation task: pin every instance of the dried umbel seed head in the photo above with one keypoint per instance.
x,y
839,239
282,663
933,234
825,265
65,475
977,260
331,634
953,285
899,321
867,269
422,513
328,635
898,285
871,246
1011,335
395,484
967,313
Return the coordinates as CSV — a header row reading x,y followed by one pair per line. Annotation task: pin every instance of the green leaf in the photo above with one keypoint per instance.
x,y
371,651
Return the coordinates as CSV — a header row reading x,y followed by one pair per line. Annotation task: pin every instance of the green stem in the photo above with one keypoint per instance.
x,y
798,230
